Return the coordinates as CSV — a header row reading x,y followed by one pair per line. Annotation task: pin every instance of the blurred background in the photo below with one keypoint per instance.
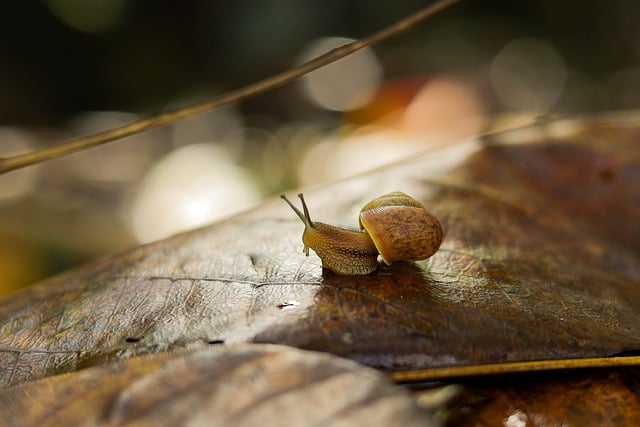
x,y
72,67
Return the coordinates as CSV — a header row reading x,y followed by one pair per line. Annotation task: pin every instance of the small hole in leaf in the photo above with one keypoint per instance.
x,y
288,304
133,339
607,174
213,342
606,170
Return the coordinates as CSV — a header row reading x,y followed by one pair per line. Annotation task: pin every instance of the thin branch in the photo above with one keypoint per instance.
x,y
449,372
76,144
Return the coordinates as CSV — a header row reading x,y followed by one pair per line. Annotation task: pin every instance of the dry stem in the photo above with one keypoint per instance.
x,y
81,143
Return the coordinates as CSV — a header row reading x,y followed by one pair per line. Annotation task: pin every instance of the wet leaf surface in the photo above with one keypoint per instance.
x,y
244,385
539,261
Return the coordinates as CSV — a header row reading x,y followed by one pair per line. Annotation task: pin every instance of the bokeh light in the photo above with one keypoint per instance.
x,y
103,63
404,119
189,187
118,163
213,125
528,74
342,155
345,84
445,108
89,16
18,183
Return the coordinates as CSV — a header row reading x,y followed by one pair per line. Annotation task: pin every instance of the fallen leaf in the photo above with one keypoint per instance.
x,y
573,398
244,385
539,261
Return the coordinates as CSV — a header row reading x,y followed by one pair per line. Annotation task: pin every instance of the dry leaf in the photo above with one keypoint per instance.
x,y
246,385
540,260
603,398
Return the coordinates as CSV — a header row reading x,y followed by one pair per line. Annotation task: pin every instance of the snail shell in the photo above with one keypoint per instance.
x,y
401,228
395,226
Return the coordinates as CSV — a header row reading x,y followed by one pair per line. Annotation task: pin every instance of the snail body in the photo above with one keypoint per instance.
x,y
394,226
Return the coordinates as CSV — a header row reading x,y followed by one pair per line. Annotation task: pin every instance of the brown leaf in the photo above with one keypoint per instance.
x,y
246,385
540,260
573,398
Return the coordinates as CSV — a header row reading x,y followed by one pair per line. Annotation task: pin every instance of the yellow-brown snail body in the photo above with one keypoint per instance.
x,y
394,226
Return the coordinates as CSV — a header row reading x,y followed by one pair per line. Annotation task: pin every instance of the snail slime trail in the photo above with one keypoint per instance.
x,y
394,226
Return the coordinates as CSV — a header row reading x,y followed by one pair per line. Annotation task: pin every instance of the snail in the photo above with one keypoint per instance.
x,y
394,226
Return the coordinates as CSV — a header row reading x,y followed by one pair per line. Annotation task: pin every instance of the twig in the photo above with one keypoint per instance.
x,y
452,372
76,144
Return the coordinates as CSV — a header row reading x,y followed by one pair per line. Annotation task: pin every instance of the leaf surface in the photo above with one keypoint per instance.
x,y
539,261
245,385
603,398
